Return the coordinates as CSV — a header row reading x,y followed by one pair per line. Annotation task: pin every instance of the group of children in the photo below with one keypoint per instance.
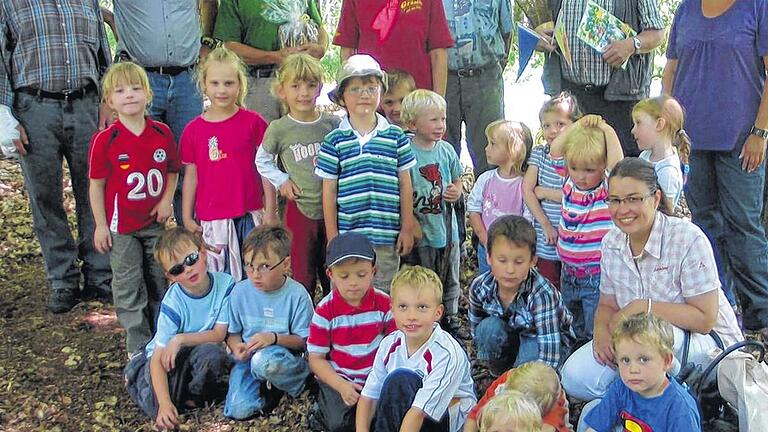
x,y
380,336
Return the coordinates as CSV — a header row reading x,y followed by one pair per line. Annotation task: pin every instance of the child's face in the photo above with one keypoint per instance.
x,y
510,263
222,85
646,130
187,267
643,369
392,102
415,311
497,149
429,125
586,175
553,123
300,96
128,100
266,272
361,97
352,278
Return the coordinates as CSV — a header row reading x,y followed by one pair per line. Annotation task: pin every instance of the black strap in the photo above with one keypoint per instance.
x,y
726,352
687,344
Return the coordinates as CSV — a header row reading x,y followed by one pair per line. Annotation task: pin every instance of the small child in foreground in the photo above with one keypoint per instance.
x,y
421,376
269,323
511,411
646,398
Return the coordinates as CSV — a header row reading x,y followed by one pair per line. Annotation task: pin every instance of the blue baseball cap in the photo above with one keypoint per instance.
x,y
349,245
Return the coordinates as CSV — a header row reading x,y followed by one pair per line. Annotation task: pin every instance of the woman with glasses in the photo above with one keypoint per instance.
x,y
651,262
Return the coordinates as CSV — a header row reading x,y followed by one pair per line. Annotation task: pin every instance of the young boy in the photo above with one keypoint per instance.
x,y
515,314
365,166
436,185
268,326
348,326
645,398
185,363
294,140
421,376
399,85
133,172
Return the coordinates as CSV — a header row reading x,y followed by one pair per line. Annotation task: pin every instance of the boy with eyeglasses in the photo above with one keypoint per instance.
x,y
365,166
185,363
269,322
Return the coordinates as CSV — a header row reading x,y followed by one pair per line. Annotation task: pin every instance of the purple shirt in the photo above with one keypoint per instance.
x,y
720,70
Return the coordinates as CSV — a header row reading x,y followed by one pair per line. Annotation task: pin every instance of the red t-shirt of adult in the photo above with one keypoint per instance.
x,y
136,170
419,26
224,153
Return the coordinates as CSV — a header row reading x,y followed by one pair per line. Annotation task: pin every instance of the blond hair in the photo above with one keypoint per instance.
x,y
646,329
418,278
538,381
518,140
298,67
584,145
417,101
668,108
397,78
124,73
224,56
511,408
173,244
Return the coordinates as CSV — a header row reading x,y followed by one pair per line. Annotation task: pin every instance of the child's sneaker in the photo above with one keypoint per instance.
x,y
452,324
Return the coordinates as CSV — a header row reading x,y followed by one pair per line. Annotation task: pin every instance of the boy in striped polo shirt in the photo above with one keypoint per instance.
x,y
347,328
365,166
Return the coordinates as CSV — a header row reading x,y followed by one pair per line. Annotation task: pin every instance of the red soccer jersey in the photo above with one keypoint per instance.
x,y
136,171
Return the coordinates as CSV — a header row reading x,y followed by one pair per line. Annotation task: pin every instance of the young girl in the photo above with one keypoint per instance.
x,y
295,140
583,155
510,411
542,186
133,171
663,142
499,192
218,149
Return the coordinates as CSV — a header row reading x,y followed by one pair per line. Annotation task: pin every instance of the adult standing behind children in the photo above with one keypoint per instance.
x,y
596,79
481,32
52,89
244,28
410,35
365,166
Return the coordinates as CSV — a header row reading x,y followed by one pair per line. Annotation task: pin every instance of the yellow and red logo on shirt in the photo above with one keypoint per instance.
x,y
123,161
632,424
411,5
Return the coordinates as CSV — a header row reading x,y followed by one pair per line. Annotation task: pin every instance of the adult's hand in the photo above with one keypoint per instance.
x,y
21,143
315,50
547,43
602,348
753,153
619,52
105,116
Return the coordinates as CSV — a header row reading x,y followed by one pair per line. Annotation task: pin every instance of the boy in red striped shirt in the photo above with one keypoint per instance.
x,y
347,328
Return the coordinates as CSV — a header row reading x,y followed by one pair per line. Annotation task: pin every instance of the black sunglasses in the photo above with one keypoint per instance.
x,y
189,261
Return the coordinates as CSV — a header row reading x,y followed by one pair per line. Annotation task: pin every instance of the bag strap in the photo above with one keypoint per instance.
x,y
687,344
726,352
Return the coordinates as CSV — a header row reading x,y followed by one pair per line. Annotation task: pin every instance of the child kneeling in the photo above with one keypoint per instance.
x,y
421,375
269,323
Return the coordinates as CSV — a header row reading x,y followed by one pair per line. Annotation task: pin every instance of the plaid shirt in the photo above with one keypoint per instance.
x,y
588,64
537,311
50,45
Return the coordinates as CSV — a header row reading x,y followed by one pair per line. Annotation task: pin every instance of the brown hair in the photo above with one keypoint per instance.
x,y
642,171
173,243
397,77
268,239
563,101
515,229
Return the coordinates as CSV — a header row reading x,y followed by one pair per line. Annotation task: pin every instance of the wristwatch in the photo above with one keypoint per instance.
x,y
762,133
637,43
211,43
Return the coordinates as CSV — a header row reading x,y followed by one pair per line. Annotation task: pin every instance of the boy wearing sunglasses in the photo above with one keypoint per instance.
x,y
269,323
184,364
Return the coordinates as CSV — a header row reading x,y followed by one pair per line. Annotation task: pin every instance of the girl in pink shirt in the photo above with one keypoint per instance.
x,y
218,150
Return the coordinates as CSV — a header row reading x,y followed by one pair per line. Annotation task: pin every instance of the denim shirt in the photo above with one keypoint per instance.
x,y
479,28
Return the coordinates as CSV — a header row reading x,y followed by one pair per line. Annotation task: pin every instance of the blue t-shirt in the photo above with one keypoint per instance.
x,y
719,70
181,312
673,411
286,310
435,169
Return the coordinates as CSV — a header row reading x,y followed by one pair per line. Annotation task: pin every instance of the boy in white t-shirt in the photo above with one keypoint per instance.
x,y
421,374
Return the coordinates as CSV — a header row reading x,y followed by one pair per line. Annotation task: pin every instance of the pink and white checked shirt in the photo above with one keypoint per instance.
x,y
677,262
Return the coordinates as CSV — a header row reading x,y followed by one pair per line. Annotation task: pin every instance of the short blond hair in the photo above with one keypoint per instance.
x,y
511,408
538,381
124,73
646,329
173,243
418,278
224,56
584,145
399,78
417,101
298,67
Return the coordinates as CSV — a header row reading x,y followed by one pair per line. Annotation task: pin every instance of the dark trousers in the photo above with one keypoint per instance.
x,y
618,114
331,414
397,395
59,130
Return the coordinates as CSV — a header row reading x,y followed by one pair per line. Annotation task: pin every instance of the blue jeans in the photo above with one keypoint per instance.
x,y
482,260
176,101
248,386
580,295
397,394
501,347
726,203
